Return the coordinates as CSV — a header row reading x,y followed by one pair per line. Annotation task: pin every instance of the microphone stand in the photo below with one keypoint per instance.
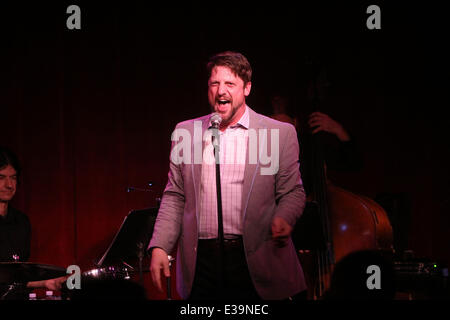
x,y
140,246
168,281
216,144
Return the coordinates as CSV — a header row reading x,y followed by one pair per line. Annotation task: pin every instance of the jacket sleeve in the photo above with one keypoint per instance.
x,y
168,221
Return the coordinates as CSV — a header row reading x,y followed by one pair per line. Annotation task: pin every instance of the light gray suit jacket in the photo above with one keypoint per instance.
x,y
275,271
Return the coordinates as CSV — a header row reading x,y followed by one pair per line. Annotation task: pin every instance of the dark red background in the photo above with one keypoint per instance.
x,y
90,112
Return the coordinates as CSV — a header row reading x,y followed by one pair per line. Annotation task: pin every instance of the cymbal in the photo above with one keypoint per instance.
x,y
22,272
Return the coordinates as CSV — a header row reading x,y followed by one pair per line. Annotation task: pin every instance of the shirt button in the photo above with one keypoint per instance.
x,y
195,249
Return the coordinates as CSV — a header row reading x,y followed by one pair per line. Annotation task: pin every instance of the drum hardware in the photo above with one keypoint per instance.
x,y
14,277
128,268
23,272
417,268
422,278
12,288
108,273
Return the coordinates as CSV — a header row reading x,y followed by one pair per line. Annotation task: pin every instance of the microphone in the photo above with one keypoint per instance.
x,y
216,119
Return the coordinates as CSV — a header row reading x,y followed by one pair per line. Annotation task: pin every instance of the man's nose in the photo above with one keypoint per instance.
x,y
9,183
222,89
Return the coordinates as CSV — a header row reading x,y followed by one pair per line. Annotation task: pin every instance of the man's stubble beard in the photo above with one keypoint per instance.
x,y
233,112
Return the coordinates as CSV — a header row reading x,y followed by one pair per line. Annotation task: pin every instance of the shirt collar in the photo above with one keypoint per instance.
x,y
9,217
244,121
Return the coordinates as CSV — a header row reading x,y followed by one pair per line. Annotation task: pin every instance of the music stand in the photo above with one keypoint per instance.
x,y
130,243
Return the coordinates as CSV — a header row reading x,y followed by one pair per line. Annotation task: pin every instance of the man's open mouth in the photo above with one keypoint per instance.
x,y
223,101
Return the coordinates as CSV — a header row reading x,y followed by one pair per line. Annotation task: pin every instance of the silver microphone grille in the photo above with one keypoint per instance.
x,y
216,119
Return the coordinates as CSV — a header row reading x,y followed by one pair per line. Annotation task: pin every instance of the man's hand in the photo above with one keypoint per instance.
x,y
55,284
50,284
281,230
319,121
160,262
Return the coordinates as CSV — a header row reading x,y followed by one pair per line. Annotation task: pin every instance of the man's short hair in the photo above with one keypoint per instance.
x,y
7,157
233,60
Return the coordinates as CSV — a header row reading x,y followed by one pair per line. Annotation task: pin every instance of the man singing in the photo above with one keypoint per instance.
x,y
260,207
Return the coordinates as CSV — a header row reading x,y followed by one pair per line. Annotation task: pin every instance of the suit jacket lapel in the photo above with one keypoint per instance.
x,y
251,168
198,145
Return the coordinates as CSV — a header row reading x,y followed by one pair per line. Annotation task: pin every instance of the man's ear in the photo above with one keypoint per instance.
x,y
248,88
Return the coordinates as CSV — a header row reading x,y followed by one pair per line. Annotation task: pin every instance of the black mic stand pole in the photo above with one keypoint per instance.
x,y
168,281
216,144
141,257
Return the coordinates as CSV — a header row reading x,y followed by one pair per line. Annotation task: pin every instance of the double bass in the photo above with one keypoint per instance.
x,y
348,222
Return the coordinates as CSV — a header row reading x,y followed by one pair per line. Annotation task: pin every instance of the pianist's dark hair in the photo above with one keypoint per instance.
x,y
7,157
